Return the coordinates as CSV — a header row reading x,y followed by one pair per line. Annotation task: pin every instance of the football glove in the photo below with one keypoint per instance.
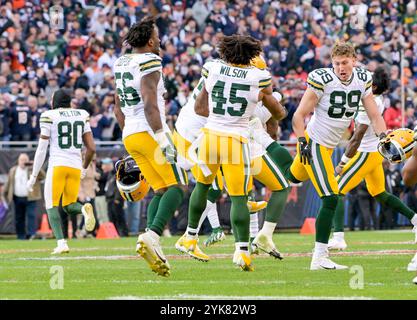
x,y
167,148
305,151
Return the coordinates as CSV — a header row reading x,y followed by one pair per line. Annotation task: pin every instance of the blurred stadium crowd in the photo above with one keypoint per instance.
x,y
39,54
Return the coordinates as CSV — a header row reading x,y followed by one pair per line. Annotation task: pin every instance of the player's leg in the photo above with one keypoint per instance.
x,y
321,173
237,174
70,195
272,177
54,187
280,155
352,174
375,182
214,194
208,154
166,180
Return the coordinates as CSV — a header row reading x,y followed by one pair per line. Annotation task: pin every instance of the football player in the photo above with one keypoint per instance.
x,y
230,93
140,111
66,130
334,95
365,164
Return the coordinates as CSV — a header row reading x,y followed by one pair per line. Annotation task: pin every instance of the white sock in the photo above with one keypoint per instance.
x,y
213,216
254,225
339,235
204,215
193,233
61,242
320,249
154,235
242,246
414,220
268,228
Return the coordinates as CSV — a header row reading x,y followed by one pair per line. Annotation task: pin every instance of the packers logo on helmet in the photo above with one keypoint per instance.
x,y
259,62
129,180
398,145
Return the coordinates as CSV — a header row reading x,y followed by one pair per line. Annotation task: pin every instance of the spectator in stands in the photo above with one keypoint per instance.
x,y
23,200
21,121
52,86
83,103
5,119
392,115
33,105
108,57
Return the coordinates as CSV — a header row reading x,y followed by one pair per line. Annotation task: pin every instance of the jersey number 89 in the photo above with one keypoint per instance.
x,y
338,99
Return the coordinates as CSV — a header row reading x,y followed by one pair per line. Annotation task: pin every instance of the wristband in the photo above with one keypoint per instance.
x,y
345,159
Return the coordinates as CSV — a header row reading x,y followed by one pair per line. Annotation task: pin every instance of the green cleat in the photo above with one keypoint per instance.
x,y
216,235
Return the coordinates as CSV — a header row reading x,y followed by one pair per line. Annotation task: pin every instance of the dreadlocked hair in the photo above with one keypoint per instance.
x,y
380,80
238,49
140,33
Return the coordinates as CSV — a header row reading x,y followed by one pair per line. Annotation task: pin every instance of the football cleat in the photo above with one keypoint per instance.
x,y
320,262
61,249
415,280
337,244
265,244
150,249
236,257
255,206
412,266
216,235
189,246
244,261
253,249
89,219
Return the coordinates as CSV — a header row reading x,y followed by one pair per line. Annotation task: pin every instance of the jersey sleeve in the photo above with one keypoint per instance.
x,y
265,79
206,69
314,83
362,117
87,127
45,123
150,64
262,113
368,84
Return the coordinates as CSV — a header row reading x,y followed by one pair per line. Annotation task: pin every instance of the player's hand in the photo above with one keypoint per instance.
x,y
305,151
31,182
83,173
167,148
339,167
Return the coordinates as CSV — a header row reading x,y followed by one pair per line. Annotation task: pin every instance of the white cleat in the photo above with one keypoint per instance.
x,y
412,266
89,219
236,257
265,244
323,262
337,244
61,249
415,280
150,249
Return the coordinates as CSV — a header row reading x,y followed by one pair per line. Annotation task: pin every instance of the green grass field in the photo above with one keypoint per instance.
x,y
110,269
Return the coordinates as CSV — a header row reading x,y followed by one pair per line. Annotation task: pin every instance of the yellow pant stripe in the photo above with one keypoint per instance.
x,y
275,170
354,168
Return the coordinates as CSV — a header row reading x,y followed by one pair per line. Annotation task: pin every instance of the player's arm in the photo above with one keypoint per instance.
x,y
270,101
409,171
352,146
40,156
201,105
272,128
377,121
149,92
90,146
307,104
118,112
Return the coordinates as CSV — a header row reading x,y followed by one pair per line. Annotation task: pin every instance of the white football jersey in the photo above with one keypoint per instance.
x,y
65,128
233,95
370,140
128,72
189,123
338,103
256,149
